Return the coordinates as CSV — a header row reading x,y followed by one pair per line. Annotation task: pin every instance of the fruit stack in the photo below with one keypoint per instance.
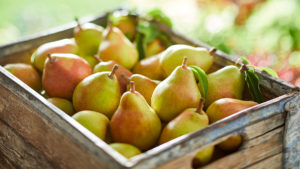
x,y
135,101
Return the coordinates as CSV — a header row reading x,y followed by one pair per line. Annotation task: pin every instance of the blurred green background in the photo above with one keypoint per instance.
x,y
266,31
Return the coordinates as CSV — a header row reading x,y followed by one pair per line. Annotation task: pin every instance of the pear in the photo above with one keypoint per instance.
x,y
227,82
63,104
115,46
150,67
107,66
26,73
62,73
93,61
126,150
176,93
127,24
95,122
154,47
135,122
98,92
144,85
88,37
173,55
225,107
190,120
61,46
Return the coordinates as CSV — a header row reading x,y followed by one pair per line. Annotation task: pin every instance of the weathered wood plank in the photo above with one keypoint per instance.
x,y
5,163
274,162
19,152
254,150
292,135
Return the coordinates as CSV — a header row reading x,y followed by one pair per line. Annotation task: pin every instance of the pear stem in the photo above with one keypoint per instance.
x,y
97,58
212,51
51,60
114,69
184,63
110,27
78,23
201,105
126,78
243,68
132,87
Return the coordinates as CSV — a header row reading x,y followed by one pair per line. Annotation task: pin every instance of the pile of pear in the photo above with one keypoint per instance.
x,y
133,104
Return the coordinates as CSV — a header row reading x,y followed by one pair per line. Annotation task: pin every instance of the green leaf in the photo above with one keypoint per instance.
x,y
245,61
159,16
140,45
252,81
269,71
202,78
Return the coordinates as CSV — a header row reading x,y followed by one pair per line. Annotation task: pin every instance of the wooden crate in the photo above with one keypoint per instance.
x,y
35,134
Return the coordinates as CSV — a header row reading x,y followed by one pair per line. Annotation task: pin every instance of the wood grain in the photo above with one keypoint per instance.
x,y
273,162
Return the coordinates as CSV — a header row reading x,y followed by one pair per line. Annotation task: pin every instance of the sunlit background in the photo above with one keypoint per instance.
x,y
266,31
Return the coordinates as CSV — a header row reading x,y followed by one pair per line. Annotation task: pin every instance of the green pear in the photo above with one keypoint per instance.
x,y
203,157
135,122
154,47
126,150
173,55
61,46
225,107
190,120
98,92
144,85
176,93
63,104
115,46
150,67
227,82
93,61
127,24
26,73
62,73
107,66
88,37
95,122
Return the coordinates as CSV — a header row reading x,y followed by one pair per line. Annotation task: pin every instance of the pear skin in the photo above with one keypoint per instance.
x,y
126,24
227,82
150,67
95,122
176,93
203,157
173,55
115,46
26,73
63,104
223,108
107,66
88,37
91,60
99,92
61,46
135,122
154,47
126,150
62,73
144,86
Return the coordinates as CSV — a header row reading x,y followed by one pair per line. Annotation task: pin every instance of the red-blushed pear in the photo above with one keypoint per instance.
x,y
62,73
126,150
225,107
173,55
107,66
190,120
26,73
88,37
150,67
98,92
127,24
227,82
144,85
176,93
135,122
115,46
63,104
61,46
95,122
154,47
